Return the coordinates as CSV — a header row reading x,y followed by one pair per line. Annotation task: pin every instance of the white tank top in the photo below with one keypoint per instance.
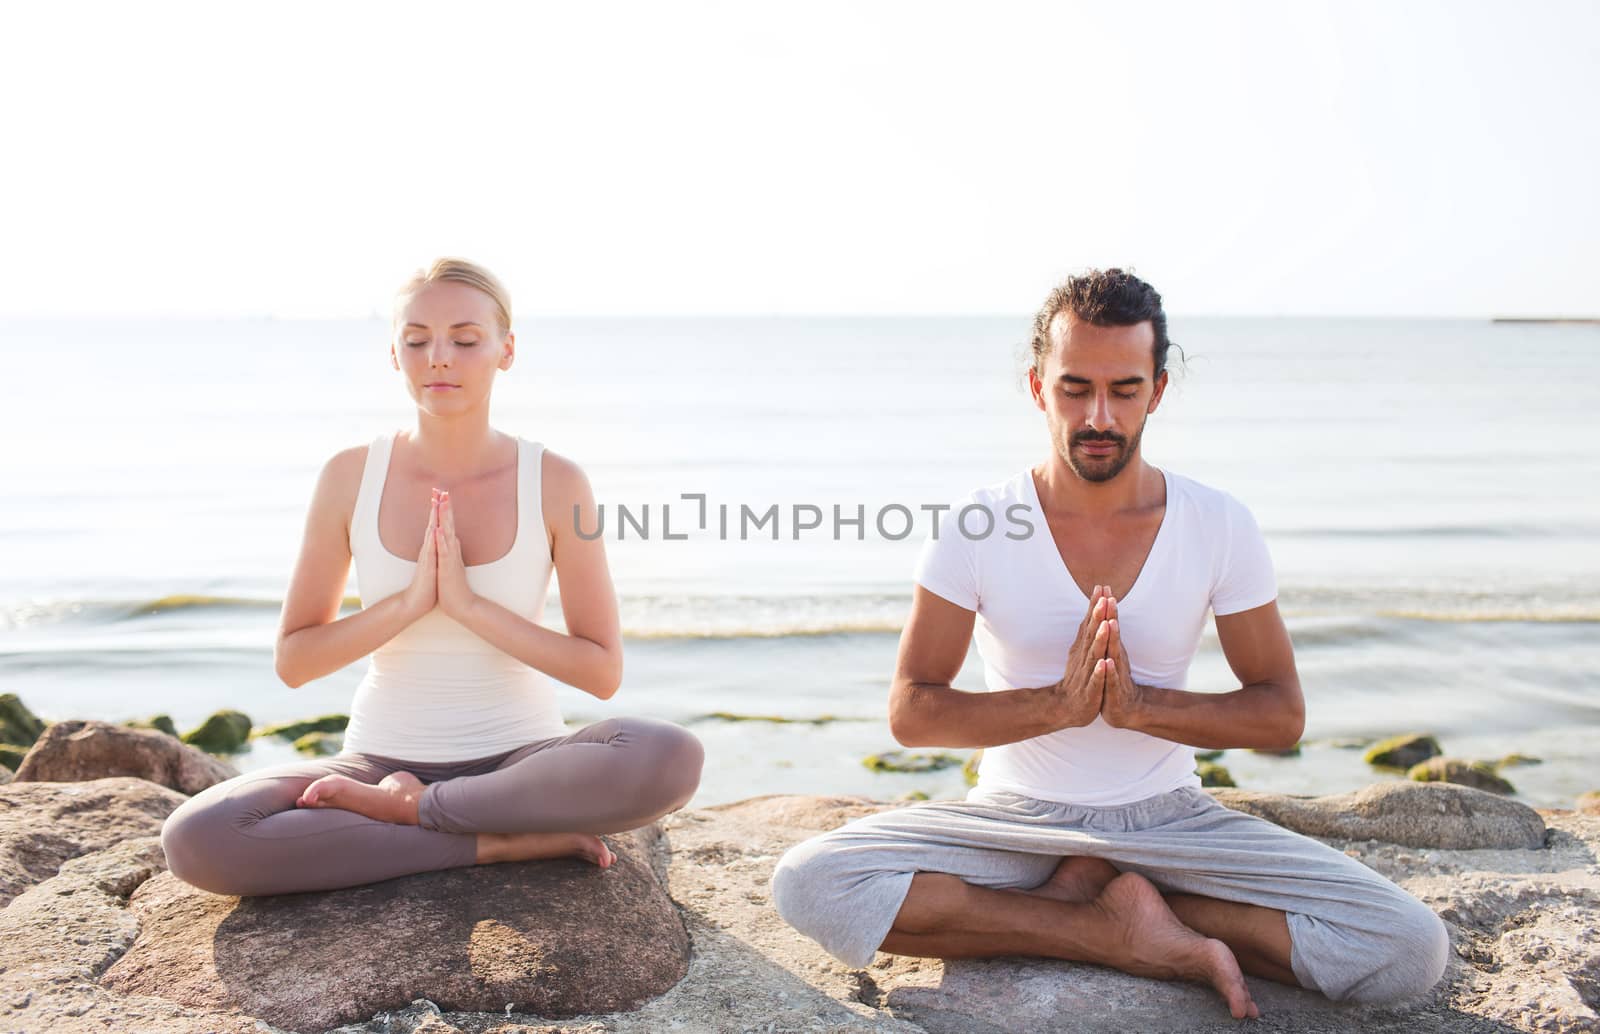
x,y
436,691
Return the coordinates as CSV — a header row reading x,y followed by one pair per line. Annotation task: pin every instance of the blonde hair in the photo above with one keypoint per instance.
x,y
461,271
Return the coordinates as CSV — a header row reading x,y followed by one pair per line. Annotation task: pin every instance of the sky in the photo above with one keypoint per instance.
x,y
300,159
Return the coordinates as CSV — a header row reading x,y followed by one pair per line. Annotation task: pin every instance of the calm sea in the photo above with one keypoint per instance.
x,y
1429,490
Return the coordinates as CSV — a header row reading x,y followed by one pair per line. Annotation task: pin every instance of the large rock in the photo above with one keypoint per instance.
x,y
71,752
1521,925
557,938
43,825
59,935
1413,814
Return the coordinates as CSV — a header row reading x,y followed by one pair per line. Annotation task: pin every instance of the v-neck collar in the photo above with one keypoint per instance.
x,y
1061,562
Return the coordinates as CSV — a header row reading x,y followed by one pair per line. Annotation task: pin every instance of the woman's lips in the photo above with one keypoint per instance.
x,y
441,387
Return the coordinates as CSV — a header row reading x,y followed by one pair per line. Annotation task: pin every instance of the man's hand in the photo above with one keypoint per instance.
x,y
455,596
1076,699
1123,697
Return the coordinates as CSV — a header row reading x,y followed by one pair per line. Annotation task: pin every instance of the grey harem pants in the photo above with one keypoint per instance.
x,y
1355,935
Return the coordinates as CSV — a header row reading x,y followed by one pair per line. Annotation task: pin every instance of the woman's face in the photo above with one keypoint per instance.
x,y
448,345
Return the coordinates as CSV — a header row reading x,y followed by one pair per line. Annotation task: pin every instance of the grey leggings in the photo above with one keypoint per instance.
x,y
245,836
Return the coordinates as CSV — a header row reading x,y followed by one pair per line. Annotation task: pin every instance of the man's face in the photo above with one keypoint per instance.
x,y
1096,390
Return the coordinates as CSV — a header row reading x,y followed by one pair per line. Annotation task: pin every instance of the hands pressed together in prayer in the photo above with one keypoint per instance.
x,y
1098,678
441,578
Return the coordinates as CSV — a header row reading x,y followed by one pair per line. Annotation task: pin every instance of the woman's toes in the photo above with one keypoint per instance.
x,y
312,796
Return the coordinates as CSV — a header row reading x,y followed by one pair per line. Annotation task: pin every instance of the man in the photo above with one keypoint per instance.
x,y
1087,836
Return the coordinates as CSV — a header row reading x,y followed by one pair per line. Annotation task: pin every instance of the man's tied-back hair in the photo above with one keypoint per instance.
x,y
1109,298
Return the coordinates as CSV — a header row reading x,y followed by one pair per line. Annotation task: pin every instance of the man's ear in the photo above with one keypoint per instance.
x,y
1155,397
1036,387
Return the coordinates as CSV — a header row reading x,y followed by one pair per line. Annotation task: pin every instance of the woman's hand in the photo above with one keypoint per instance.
x,y
423,592
455,596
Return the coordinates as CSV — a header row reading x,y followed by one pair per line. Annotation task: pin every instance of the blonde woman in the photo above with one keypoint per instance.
x,y
456,753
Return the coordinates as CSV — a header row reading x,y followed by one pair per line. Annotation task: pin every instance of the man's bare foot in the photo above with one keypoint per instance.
x,y
1077,879
1157,944
393,799
520,847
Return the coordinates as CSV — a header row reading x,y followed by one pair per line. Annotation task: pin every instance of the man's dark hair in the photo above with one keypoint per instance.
x,y
1109,298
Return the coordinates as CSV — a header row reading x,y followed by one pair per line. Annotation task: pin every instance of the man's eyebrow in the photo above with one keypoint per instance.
x,y
1121,382
453,326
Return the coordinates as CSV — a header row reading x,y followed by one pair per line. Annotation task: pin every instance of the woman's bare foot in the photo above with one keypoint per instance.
x,y
1157,944
1077,879
520,847
393,799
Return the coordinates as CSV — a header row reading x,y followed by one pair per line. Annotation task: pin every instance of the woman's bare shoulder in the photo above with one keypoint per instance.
x,y
565,483
340,481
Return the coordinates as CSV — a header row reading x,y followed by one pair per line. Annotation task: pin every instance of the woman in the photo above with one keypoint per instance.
x,y
456,753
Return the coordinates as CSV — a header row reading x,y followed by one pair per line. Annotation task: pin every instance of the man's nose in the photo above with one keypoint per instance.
x,y
1099,416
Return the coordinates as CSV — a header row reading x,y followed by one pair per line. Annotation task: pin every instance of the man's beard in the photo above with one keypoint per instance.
x,y
1101,468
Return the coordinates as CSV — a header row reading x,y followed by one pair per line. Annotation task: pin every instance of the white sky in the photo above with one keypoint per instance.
x,y
300,159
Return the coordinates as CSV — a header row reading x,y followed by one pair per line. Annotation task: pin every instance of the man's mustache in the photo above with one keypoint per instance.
x,y
1090,436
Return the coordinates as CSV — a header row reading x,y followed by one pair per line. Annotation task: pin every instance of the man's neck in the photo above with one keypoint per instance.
x,y
1138,486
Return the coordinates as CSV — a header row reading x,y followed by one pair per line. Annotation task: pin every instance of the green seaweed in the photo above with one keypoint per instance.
x,y
225,732
969,769
319,743
11,755
730,716
1403,752
1212,774
295,730
160,723
1480,775
906,761
19,726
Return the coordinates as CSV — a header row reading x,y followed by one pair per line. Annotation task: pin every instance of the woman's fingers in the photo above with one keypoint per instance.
x,y
428,554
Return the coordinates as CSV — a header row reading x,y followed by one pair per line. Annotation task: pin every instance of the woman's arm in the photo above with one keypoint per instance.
x,y
589,655
311,643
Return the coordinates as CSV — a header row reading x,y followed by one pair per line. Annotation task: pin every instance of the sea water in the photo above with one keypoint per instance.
x,y
1428,488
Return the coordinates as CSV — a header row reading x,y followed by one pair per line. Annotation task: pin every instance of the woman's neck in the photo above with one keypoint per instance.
x,y
455,447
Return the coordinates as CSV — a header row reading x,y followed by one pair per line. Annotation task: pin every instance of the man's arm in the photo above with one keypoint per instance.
x,y
1267,711
925,710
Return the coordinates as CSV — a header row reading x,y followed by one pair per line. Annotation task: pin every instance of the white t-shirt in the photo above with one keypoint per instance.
x,y
1207,554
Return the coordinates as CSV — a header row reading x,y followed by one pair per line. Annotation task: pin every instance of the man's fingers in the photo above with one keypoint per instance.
x,y
1094,598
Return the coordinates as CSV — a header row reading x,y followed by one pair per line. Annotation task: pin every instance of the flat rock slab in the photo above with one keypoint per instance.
x,y
1413,814
75,751
43,825
555,938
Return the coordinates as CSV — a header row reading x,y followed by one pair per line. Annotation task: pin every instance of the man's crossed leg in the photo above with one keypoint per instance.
x,y
985,877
